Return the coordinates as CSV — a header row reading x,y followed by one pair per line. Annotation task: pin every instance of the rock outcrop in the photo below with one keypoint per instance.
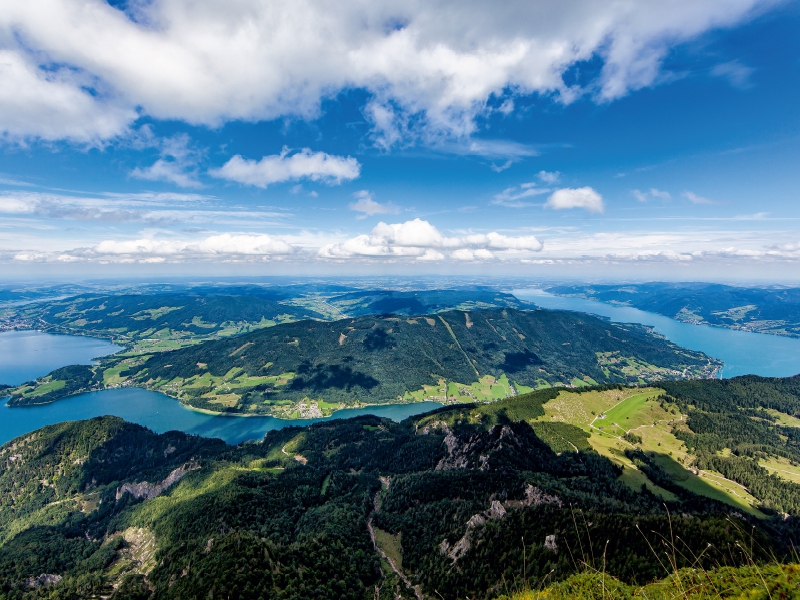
x,y
147,490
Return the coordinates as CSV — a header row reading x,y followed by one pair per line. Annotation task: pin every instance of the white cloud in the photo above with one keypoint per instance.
x,y
215,245
549,177
178,162
166,170
584,197
54,104
85,70
512,197
365,204
421,240
134,208
695,199
653,193
431,255
463,254
736,73
276,168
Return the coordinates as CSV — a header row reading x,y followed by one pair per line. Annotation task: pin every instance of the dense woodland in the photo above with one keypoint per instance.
x,y
466,497
729,429
204,311
378,359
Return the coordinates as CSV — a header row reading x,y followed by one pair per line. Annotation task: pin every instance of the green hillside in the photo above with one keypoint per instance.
x,y
151,319
727,583
154,322
464,502
309,368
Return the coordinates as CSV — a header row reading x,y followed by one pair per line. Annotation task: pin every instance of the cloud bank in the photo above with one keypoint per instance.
x,y
84,71
420,240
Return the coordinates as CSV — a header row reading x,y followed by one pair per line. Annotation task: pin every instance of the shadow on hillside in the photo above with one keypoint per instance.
x,y
378,339
322,377
519,361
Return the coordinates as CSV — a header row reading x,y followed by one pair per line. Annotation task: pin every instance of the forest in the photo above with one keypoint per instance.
x,y
379,359
470,500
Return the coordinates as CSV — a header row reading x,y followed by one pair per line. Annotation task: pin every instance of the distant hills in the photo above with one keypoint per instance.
x,y
309,368
158,320
763,310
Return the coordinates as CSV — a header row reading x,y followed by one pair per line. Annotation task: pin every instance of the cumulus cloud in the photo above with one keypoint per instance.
x,y
421,240
276,168
178,162
653,193
365,204
85,70
584,197
54,104
512,197
695,199
549,177
224,247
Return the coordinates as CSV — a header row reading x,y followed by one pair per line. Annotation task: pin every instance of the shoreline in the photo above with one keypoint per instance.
x,y
213,413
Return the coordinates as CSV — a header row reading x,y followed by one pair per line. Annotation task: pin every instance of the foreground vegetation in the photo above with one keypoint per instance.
x,y
310,368
467,501
751,582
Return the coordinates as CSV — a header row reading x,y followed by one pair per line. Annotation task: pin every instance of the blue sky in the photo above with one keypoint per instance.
x,y
602,140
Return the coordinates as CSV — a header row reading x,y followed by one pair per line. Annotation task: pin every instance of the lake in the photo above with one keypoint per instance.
x,y
161,413
26,355
742,352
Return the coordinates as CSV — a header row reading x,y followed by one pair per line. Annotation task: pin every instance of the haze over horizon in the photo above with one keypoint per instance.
x,y
600,140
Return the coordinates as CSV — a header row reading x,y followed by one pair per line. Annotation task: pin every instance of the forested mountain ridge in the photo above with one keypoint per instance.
x,y
764,310
467,501
301,368
158,321
152,320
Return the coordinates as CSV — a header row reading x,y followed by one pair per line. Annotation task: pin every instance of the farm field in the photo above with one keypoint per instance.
x,y
781,467
486,389
783,418
610,414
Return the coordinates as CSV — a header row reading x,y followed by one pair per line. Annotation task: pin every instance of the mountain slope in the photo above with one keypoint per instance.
x,y
376,359
466,501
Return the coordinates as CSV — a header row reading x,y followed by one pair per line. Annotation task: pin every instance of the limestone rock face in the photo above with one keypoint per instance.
x,y
147,490
43,580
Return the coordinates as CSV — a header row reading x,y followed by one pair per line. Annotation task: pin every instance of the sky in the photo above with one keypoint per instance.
x,y
618,140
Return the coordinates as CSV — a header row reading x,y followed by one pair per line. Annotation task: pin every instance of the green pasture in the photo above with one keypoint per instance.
x,y
631,413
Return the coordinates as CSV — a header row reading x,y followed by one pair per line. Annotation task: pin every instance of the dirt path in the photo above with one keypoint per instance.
x,y
376,508
298,457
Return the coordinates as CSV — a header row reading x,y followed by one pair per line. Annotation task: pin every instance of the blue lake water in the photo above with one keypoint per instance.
x,y
26,355
161,413
742,352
